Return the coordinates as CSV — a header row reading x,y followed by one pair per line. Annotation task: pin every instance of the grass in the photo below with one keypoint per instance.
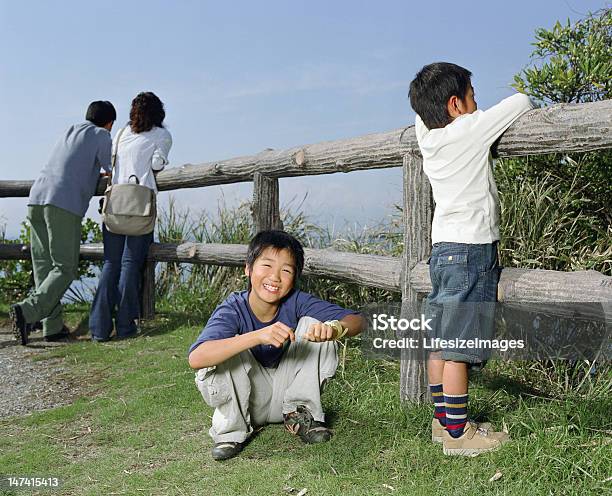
x,y
142,429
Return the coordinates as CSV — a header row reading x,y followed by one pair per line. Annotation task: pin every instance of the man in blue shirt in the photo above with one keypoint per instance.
x,y
265,352
58,201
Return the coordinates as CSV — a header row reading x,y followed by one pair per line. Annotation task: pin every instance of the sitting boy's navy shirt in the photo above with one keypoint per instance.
x,y
234,316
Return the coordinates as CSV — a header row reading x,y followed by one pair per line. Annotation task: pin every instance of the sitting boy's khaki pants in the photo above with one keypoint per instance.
x,y
245,394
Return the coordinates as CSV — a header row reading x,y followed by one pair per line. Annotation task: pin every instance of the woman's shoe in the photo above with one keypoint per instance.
x,y
60,336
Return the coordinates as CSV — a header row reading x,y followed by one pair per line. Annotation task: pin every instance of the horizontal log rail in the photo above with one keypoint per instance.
x,y
516,285
558,128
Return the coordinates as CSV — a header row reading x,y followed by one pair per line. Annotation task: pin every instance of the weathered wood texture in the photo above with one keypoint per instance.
x,y
559,128
147,295
537,285
418,214
516,285
369,270
266,206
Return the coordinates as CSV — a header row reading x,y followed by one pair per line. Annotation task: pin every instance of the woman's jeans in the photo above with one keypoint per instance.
x,y
120,285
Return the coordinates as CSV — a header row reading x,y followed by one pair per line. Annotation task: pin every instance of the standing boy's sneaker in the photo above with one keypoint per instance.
x,y
437,429
20,328
473,441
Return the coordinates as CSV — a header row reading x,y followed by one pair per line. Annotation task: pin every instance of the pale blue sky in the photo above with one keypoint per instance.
x,y
238,77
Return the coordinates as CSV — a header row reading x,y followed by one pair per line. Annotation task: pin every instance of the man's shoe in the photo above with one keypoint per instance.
x,y
301,423
437,429
33,327
20,328
226,450
474,441
60,336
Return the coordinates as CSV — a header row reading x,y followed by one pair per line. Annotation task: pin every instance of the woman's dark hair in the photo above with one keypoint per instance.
x,y
431,89
147,112
278,240
100,113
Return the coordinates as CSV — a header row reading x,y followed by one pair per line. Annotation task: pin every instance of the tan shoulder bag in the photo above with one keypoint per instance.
x,y
128,209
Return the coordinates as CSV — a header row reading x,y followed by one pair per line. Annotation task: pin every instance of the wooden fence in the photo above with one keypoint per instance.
x,y
560,128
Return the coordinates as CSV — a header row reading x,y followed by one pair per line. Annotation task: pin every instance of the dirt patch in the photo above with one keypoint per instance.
x,y
30,385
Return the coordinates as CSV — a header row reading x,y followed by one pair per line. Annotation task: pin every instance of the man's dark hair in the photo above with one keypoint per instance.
x,y
147,112
101,112
431,89
278,240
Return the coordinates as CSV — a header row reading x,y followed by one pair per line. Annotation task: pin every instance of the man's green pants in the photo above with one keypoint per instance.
x,y
54,242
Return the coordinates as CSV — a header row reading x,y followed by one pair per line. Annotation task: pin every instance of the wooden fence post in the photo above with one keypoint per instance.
x,y
147,303
418,214
265,207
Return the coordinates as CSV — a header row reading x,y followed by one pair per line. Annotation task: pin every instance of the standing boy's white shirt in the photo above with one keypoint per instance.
x,y
458,162
140,154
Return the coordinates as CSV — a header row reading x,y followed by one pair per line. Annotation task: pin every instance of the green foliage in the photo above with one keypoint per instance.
x,y
197,289
141,428
576,62
16,277
570,64
544,226
16,274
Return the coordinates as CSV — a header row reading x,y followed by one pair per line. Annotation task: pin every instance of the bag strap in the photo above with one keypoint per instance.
x,y
114,156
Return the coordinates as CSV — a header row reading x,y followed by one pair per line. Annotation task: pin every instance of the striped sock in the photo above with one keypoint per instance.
x,y
456,413
438,400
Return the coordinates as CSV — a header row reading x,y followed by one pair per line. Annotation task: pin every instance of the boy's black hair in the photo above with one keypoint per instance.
x,y
279,240
431,89
101,112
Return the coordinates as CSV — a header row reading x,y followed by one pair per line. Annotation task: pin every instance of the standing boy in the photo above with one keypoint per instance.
x,y
455,140
58,201
265,352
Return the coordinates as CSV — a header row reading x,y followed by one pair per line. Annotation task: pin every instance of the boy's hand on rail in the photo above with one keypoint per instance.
x,y
275,334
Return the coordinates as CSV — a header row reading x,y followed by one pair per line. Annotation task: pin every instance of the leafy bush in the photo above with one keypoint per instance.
x,y
547,227
573,64
16,277
197,289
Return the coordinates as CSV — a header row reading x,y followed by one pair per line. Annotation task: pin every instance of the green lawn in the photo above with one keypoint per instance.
x,y
142,429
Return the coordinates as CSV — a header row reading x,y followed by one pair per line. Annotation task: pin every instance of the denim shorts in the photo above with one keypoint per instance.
x,y
464,280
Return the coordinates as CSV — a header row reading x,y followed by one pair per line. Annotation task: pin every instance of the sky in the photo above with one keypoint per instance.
x,y
239,77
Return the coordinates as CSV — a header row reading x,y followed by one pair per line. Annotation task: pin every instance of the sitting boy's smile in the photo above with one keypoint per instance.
x,y
272,276
271,288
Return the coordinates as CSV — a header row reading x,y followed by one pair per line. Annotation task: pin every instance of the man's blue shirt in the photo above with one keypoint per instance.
x,y
69,179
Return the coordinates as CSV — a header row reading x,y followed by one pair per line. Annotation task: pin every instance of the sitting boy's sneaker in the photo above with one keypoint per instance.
x,y
301,423
20,328
437,429
226,450
474,440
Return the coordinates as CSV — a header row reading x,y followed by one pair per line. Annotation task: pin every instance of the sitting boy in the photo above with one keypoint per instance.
x,y
58,200
265,352
455,140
